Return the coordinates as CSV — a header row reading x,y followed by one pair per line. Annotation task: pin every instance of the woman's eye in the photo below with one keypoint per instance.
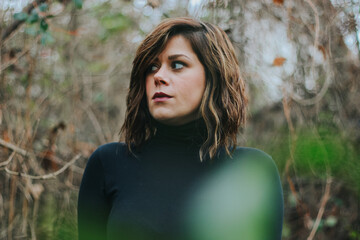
x,y
153,68
178,65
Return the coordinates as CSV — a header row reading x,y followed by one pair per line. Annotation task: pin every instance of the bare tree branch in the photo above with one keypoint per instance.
x,y
26,153
46,176
8,64
15,148
95,123
7,161
324,200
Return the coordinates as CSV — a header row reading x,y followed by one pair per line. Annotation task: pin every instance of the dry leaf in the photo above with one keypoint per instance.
x,y
323,50
279,61
279,2
153,3
36,190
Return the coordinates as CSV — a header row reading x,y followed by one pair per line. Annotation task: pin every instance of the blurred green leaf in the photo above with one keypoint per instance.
x,y
43,25
43,7
9,89
31,30
330,221
99,97
115,22
292,200
286,231
21,16
34,17
46,38
78,3
315,153
24,80
354,235
97,67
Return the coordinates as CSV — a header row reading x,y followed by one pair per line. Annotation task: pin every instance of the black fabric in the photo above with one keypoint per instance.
x,y
153,194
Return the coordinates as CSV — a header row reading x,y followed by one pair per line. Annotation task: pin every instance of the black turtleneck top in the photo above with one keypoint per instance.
x,y
164,191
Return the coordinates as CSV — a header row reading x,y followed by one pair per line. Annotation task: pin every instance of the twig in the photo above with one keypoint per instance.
x,y
73,167
317,30
95,123
328,70
26,153
15,148
290,160
7,161
9,63
11,226
46,176
317,23
324,200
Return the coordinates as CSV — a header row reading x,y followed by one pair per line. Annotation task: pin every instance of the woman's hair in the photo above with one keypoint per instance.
x,y
224,101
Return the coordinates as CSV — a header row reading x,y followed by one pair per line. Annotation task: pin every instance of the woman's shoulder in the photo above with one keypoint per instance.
x,y
252,154
252,158
112,147
108,152
249,151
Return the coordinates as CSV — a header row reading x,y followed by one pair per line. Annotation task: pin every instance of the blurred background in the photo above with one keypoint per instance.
x,y
64,73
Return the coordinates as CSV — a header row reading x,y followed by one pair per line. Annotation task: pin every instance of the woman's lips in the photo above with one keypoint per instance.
x,y
160,97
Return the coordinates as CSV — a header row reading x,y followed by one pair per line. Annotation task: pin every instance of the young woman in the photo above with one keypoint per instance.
x,y
179,174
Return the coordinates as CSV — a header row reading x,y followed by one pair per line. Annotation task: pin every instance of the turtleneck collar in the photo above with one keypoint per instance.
x,y
194,132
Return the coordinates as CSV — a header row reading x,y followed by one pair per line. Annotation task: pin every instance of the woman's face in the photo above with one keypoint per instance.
x,y
175,83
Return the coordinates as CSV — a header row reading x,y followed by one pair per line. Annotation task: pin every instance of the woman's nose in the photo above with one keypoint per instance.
x,y
161,77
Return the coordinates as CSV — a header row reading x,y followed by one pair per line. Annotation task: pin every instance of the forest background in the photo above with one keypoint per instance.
x,y
64,73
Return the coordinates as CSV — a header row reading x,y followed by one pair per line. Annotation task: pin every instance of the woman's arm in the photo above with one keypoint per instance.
x,y
241,200
93,207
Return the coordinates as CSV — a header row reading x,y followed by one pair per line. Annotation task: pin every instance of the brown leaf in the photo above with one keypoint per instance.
x,y
279,61
36,190
153,3
323,50
279,2
48,161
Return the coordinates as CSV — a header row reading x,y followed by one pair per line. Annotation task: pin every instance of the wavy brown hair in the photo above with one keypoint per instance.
x,y
224,102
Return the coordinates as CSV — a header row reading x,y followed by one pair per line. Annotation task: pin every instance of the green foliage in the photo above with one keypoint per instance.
x,y
9,89
43,7
55,224
32,30
314,154
43,25
46,38
317,151
78,3
97,67
317,148
35,30
115,22
24,80
46,218
99,97
33,18
286,231
354,235
21,16
330,221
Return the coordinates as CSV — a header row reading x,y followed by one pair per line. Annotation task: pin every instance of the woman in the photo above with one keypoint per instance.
x,y
179,175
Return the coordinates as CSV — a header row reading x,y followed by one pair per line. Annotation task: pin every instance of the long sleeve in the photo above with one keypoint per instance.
x,y
93,207
241,200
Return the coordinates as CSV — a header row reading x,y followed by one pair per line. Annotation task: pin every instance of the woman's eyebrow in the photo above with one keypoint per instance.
x,y
172,57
